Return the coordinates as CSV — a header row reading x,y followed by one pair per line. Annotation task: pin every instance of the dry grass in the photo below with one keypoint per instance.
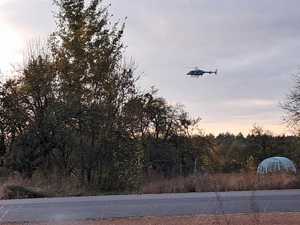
x,y
11,181
54,187
50,187
265,219
221,182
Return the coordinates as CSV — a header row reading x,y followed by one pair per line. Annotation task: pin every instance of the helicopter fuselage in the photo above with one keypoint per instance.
x,y
200,72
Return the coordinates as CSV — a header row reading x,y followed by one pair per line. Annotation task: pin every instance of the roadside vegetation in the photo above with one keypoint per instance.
x,y
74,122
39,187
222,182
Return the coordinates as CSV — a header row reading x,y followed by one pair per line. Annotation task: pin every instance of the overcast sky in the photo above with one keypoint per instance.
x,y
253,43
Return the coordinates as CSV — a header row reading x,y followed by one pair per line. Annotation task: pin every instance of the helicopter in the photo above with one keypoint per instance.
x,y
197,72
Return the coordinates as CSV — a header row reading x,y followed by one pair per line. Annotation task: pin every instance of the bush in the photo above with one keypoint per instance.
x,y
19,192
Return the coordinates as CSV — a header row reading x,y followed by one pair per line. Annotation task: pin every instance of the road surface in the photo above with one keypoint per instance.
x,y
106,207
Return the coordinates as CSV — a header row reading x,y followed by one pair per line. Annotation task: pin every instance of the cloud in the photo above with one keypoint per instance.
x,y
21,22
254,44
250,103
30,16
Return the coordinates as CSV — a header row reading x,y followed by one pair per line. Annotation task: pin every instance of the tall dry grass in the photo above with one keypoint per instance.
x,y
221,182
15,186
54,187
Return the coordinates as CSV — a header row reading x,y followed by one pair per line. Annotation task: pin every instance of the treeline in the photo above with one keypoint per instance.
x,y
74,110
185,155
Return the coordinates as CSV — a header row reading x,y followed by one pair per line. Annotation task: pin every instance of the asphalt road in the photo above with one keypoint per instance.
x,y
107,207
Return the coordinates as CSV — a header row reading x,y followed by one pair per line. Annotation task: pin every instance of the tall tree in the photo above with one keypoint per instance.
x,y
292,105
95,84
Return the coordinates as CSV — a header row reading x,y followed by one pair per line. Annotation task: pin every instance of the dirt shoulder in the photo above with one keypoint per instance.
x,y
242,219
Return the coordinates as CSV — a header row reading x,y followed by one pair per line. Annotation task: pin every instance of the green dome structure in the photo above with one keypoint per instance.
x,y
276,164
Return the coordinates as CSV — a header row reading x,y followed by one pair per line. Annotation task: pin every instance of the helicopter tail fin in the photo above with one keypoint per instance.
x,y
216,71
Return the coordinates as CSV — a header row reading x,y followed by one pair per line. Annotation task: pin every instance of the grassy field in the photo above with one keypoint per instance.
x,y
15,187
221,182
254,219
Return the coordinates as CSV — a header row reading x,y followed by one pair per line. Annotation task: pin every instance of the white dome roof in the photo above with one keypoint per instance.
x,y
274,164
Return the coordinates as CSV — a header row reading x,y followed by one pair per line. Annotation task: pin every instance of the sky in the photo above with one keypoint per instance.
x,y
254,44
